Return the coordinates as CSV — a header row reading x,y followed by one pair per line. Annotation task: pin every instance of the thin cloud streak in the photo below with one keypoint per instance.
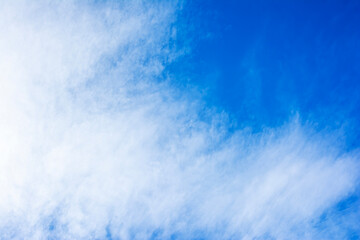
x,y
94,146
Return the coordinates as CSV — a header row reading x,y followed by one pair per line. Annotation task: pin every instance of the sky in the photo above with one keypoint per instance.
x,y
279,58
179,119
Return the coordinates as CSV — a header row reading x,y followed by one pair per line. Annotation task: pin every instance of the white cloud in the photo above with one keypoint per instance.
x,y
92,144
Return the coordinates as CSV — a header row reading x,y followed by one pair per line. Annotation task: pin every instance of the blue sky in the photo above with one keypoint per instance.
x,y
179,120
264,61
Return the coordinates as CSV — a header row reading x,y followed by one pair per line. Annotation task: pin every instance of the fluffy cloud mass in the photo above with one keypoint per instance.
x,y
96,143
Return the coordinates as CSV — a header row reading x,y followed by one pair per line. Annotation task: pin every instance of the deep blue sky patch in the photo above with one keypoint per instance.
x,y
264,61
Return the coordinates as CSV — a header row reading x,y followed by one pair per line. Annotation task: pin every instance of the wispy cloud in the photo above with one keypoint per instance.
x,y
93,145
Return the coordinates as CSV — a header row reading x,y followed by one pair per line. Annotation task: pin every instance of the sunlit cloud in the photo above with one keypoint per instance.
x,y
96,144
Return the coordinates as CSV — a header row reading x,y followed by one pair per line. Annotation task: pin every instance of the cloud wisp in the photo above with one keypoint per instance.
x,y
94,146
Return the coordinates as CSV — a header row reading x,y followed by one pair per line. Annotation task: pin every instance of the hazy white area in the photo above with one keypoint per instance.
x,y
94,146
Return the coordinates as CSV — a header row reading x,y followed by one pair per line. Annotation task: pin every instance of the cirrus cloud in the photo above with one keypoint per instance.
x,y
96,144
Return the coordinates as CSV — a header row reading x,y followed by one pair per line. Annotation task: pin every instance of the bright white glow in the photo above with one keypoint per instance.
x,y
92,145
